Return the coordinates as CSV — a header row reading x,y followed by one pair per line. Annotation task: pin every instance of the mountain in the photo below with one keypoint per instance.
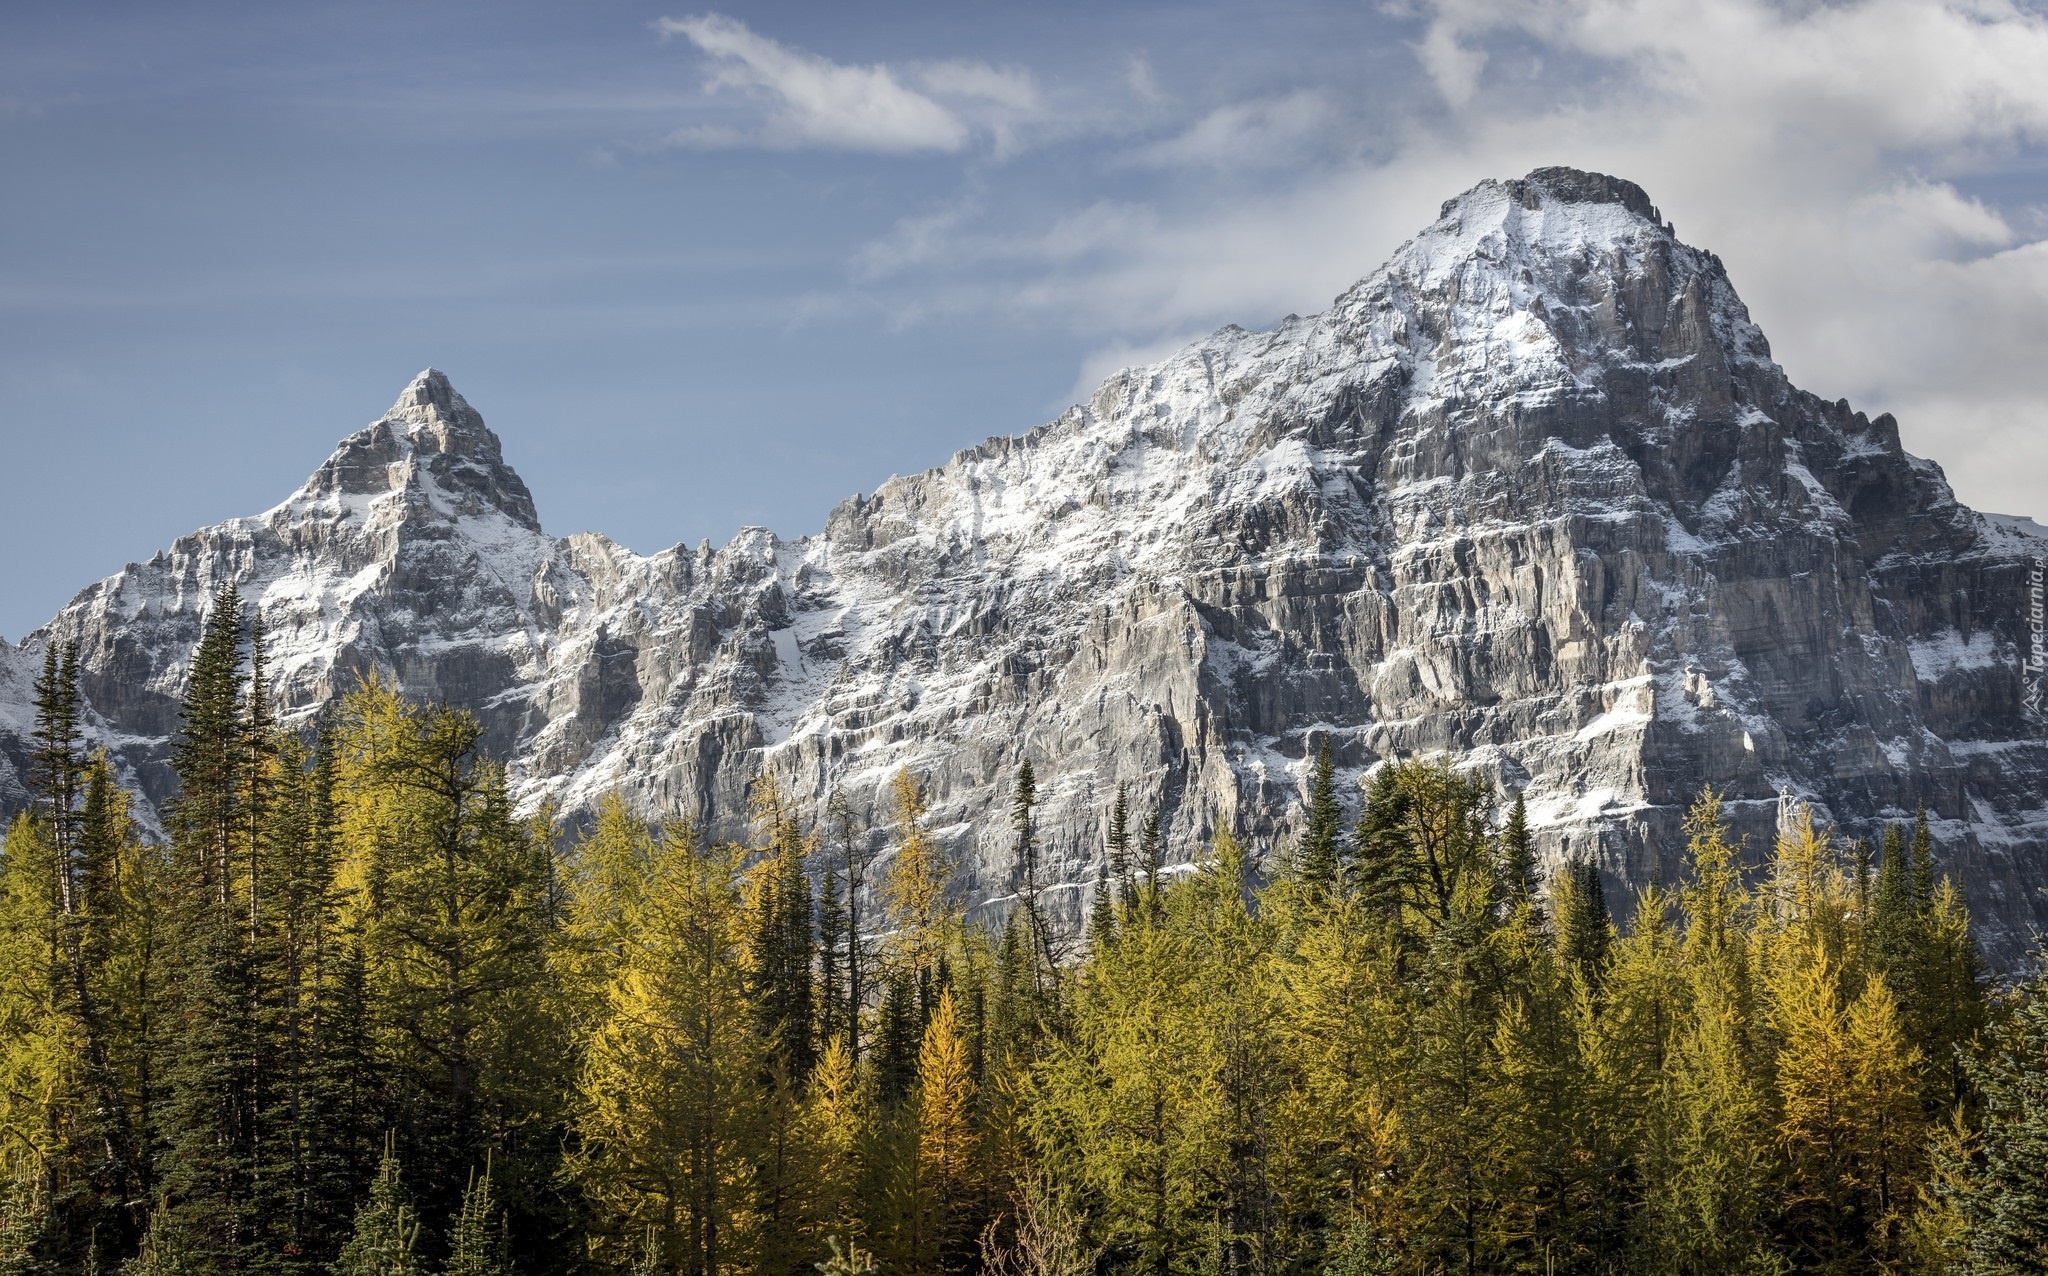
x,y
1533,493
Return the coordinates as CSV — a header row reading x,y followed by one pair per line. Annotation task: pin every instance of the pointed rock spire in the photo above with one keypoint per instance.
x,y
430,437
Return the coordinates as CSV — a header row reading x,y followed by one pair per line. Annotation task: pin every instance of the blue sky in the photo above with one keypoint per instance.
x,y
703,268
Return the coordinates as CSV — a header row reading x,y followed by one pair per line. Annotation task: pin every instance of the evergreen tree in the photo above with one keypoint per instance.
x,y
1118,853
386,1229
162,1251
783,943
458,913
899,1031
1585,927
57,764
1999,1196
1383,863
1023,825
1923,874
1893,917
1101,910
1518,855
25,1225
834,1021
208,1161
852,866
1152,852
1318,858
1015,1016
477,1247
1953,997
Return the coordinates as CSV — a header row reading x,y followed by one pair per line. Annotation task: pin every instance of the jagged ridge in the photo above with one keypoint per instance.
x,y
1534,492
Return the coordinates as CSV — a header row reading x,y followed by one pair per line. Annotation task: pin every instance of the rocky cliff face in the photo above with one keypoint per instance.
x,y
1533,493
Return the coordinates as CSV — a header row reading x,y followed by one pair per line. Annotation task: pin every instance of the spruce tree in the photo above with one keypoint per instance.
x,y
1152,853
1101,911
57,764
899,1031
1118,851
1585,927
853,857
1318,858
784,940
1923,876
386,1228
1024,828
25,1225
1013,1010
1383,857
2001,1194
1518,855
833,1020
209,1159
163,1251
477,1242
1890,938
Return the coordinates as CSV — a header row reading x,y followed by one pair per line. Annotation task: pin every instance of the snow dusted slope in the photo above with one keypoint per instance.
x,y
1533,493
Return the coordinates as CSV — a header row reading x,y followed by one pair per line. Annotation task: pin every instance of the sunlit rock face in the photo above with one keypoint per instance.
x,y
1533,494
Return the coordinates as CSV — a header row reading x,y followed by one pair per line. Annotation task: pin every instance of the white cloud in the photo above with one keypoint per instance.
x,y
1262,133
812,102
1142,82
1001,86
1826,152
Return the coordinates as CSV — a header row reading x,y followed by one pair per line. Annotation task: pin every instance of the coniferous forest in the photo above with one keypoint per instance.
x,y
353,1013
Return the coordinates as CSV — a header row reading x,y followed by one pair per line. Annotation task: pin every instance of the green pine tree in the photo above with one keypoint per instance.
x,y
1152,854
1118,847
1318,857
386,1228
208,1158
477,1245
1518,855
1585,929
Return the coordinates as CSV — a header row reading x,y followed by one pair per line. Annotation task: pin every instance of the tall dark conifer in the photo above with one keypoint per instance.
x,y
1383,867
1923,873
208,1159
799,948
852,859
898,1035
1518,855
1024,827
1152,854
1118,851
1101,911
832,930
1585,927
1318,859
782,950
57,766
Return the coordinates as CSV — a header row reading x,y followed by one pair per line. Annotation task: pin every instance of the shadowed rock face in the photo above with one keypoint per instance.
x,y
1533,493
